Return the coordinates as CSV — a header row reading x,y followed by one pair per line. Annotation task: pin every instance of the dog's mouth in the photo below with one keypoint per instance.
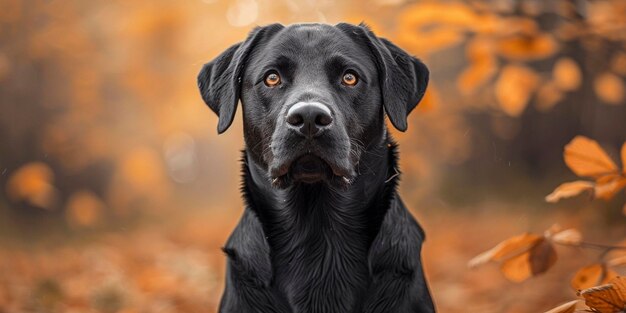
x,y
309,169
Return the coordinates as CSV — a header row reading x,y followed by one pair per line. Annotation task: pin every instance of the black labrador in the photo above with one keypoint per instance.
x,y
324,229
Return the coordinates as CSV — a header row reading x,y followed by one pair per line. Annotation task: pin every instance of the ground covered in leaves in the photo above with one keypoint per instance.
x,y
178,266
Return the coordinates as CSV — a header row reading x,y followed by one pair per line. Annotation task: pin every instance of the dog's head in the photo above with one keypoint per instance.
x,y
313,96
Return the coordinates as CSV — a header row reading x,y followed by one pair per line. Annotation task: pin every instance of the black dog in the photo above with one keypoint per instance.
x,y
324,229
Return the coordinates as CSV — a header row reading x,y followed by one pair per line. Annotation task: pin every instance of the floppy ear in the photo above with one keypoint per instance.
x,y
403,78
219,81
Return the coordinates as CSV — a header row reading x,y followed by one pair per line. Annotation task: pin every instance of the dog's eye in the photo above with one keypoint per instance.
x,y
349,79
272,79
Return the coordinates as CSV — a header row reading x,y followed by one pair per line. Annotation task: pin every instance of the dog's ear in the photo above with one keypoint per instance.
x,y
403,78
220,80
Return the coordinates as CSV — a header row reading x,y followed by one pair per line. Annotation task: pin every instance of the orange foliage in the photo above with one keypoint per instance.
x,y
527,255
514,88
33,183
592,275
585,157
609,298
609,88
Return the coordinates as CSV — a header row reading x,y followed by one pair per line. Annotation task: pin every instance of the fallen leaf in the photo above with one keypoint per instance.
x,y
591,276
567,74
569,307
609,298
609,88
585,157
568,190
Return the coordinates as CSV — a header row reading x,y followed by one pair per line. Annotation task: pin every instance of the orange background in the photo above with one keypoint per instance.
x,y
116,192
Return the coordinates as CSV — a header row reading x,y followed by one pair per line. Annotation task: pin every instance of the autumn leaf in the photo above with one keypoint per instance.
x,y
607,189
522,256
567,74
84,209
548,95
585,157
569,307
527,47
506,249
33,183
571,237
609,298
568,190
514,88
609,88
592,275
618,261
483,66
535,261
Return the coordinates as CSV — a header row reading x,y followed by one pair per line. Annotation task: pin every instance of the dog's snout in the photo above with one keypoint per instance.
x,y
309,118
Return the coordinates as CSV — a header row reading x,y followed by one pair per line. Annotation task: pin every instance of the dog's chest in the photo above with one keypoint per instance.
x,y
322,269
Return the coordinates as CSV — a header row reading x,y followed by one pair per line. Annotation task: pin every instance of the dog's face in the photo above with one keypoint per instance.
x,y
314,97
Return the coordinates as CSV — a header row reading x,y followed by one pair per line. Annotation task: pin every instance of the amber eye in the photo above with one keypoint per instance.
x,y
272,79
349,79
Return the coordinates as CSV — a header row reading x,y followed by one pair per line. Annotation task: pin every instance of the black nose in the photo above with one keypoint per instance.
x,y
309,118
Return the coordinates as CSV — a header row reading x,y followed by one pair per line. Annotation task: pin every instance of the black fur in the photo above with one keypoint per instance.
x,y
345,242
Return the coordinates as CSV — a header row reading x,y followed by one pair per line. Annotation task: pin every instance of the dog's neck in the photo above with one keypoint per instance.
x,y
320,232
353,210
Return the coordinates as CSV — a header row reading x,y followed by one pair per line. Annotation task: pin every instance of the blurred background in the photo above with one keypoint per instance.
x,y
116,193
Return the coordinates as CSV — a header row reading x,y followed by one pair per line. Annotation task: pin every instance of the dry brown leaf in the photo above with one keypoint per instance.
x,y
567,237
514,88
585,157
542,257
591,276
569,307
568,190
567,74
609,298
533,262
609,88
508,248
